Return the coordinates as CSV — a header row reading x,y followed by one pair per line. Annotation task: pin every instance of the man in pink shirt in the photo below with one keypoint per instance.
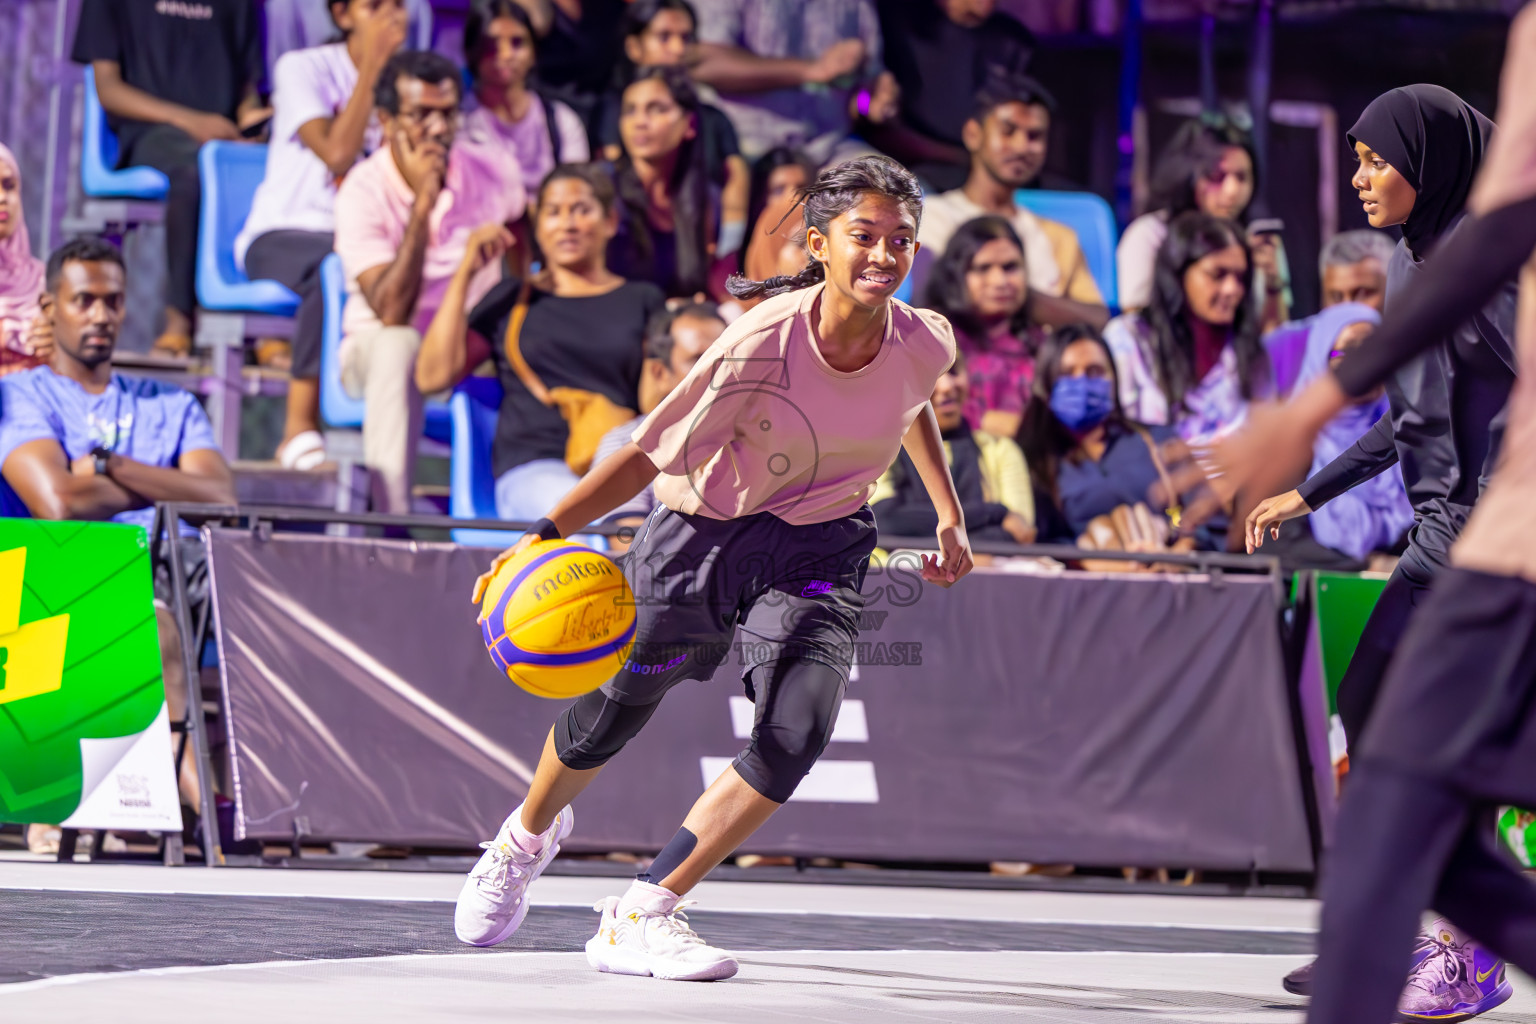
x,y
404,219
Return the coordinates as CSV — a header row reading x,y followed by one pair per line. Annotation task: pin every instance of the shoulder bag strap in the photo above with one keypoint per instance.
x,y
520,365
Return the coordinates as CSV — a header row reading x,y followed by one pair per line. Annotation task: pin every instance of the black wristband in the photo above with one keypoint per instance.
x,y
545,529
101,454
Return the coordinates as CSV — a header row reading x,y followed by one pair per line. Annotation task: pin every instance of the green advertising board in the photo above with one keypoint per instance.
x,y
84,739
1343,604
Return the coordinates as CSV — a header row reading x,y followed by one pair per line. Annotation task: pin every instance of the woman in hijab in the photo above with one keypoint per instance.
x,y
21,276
1419,149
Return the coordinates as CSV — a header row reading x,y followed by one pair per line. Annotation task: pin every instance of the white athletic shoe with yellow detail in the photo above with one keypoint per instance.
x,y
649,943
494,901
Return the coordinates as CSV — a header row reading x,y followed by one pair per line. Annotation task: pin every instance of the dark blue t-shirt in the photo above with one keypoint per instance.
x,y
1122,477
146,420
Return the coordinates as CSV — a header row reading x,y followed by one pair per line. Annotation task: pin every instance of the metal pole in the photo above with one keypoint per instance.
x,y
1130,99
1261,61
1208,97
52,168
191,658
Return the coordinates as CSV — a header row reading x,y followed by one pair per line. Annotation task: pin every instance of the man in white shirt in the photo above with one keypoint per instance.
x,y
1007,139
322,123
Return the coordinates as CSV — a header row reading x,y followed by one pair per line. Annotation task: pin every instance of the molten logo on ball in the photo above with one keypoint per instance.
x,y
559,619
584,570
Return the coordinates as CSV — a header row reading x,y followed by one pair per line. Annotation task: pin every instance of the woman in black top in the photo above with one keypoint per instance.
x,y
667,216
664,33
584,328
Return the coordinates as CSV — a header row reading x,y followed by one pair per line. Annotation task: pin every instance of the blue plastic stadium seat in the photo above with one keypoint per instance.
x,y
230,173
1090,216
471,480
99,176
338,408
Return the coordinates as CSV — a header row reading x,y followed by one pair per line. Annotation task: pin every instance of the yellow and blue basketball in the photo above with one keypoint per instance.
x,y
558,619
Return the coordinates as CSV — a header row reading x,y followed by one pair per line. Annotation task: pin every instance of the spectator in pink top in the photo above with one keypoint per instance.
x,y
518,123
404,219
981,284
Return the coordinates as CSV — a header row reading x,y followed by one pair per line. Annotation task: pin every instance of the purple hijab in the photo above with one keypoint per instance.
x,y
1375,514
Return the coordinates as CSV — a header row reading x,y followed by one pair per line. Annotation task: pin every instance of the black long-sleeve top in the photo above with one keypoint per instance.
x,y
1446,403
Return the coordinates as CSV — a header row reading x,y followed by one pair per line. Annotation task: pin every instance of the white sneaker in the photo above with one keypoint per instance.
x,y
651,944
492,904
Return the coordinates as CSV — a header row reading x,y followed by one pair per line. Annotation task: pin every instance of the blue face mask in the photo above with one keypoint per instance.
x,y
1082,403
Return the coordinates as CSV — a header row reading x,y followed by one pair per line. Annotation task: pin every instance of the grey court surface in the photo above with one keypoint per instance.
x,y
138,943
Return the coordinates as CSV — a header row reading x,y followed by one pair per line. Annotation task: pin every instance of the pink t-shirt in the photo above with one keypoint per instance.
x,y
763,424
373,207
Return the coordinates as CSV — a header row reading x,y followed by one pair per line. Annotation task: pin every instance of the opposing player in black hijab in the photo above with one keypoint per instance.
x,y
1419,149
1455,732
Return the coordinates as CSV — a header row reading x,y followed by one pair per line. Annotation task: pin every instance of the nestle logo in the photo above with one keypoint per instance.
x,y
816,587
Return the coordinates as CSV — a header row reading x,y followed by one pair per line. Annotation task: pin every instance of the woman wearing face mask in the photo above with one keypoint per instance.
x,y
1192,360
668,207
526,128
988,471
1086,457
1208,166
578,325
980,284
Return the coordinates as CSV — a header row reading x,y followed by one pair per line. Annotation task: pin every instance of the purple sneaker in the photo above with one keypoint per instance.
x,y
1456,979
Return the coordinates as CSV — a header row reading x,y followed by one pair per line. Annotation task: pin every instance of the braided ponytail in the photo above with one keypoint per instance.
x,y
835,191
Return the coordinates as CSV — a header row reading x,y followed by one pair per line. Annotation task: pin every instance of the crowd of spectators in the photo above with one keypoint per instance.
x,y
560,209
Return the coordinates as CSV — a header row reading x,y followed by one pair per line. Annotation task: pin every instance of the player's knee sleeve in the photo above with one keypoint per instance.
x,y
798,704
593,729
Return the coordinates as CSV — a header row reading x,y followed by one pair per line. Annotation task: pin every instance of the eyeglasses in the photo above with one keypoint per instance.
x,y
424,116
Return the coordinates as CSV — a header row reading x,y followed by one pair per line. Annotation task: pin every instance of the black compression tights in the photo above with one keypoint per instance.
x,y
797,702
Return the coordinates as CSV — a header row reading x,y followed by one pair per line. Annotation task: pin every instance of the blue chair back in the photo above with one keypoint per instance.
x,y
471,479
230,173
99,176
338,408
1090,216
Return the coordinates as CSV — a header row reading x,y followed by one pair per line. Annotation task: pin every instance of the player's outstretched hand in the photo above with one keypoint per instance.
x,y
954,558
1261,458
1269,514
527,540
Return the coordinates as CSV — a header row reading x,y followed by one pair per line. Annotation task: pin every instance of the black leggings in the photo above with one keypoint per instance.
x,y
1405,843
292,258
797,703
1384,630
174,153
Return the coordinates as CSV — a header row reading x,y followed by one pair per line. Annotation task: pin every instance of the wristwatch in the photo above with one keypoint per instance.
x,y
101,454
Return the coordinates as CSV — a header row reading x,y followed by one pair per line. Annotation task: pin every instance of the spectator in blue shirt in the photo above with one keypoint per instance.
x,y
78,441
1085,457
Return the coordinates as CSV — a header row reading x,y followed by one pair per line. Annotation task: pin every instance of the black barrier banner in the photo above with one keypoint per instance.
x,y
1080,718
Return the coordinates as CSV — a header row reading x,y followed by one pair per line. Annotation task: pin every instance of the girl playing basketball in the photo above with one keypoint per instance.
x,y
763,459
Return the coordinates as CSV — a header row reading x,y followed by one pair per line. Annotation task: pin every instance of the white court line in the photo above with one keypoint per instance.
x,y
790,911
63,980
